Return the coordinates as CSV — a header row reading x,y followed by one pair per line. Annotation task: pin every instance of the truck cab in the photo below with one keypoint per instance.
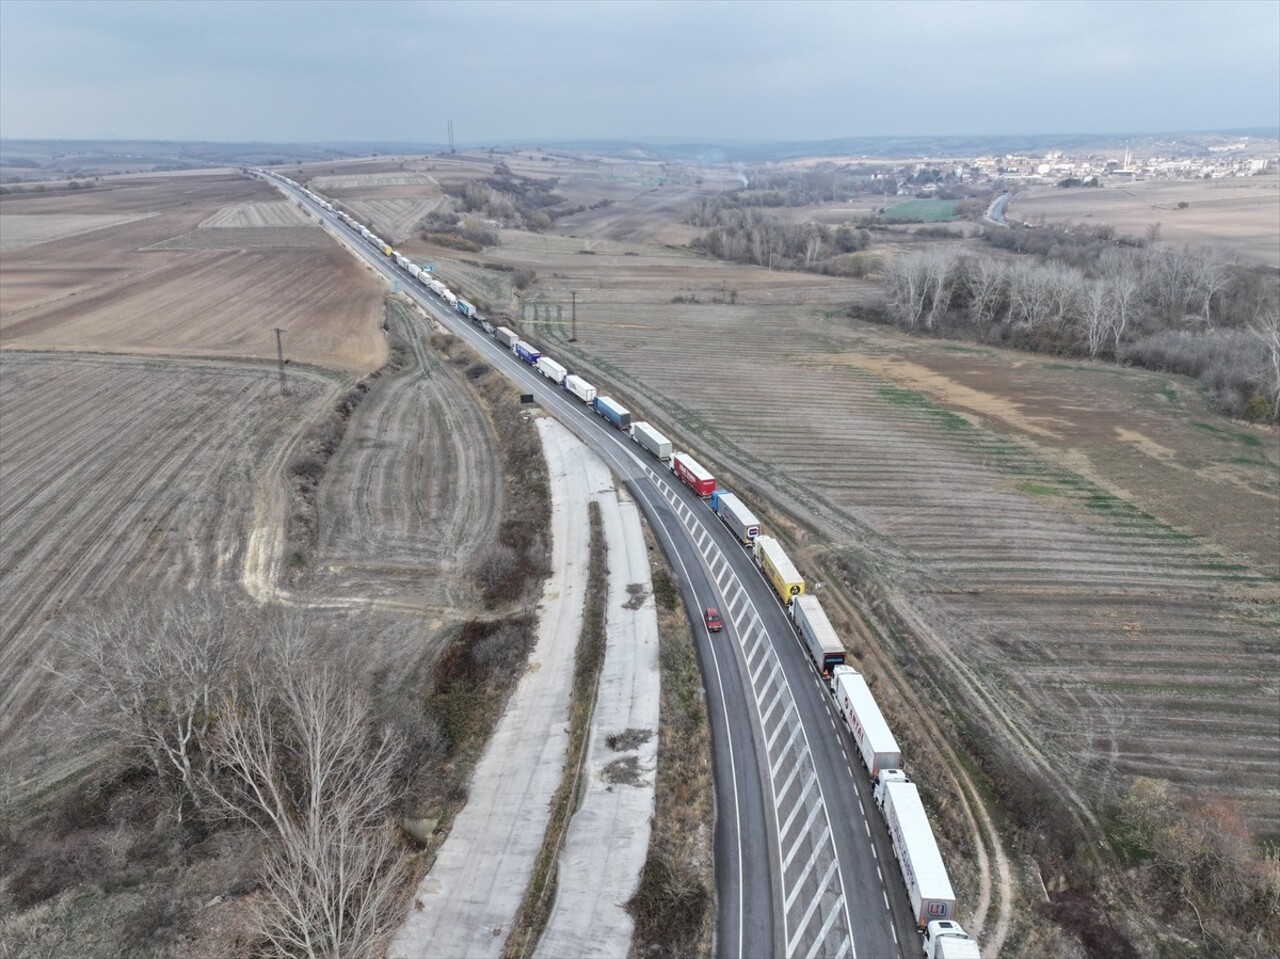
x,y
883,779
944,939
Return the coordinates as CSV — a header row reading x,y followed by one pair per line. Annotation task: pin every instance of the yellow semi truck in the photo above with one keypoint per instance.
x,y
778,569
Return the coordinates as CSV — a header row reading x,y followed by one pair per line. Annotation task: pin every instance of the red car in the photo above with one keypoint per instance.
x,y
714,623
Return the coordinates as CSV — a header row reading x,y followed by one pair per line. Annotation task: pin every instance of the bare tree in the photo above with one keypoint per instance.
x,y
1029,294
297,754
939,276
1210,270
812,248
1124,280
1266,327
985,278
905,277
1096,314
148,672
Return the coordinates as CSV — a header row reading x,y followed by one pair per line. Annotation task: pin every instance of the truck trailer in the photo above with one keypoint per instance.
x,y
525,352
652,440
820,639
917,852
506,337
876,745
778,569
613,411
551,370
692,473
580,388
944,939
447,295
735,515
465,308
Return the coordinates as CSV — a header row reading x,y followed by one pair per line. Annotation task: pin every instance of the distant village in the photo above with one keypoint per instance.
x,y
1227,160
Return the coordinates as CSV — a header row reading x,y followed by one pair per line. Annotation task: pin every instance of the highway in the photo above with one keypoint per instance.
x,y
804,866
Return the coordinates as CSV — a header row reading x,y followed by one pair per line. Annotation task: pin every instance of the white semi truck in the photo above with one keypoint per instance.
x,y
923,872
944,939
652,440
876,745
820,638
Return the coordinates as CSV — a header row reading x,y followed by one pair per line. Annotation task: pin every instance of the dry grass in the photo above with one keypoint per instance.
x,y
673,906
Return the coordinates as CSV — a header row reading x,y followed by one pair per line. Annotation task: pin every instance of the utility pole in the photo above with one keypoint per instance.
x,y
284,382
451,149
573,317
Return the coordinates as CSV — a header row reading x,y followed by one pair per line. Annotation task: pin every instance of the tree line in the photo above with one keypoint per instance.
x,y
752,236
1190,311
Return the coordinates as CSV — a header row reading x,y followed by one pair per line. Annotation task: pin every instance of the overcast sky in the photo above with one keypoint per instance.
x,y
337,70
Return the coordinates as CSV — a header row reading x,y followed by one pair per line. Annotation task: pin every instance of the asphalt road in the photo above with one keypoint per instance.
x,y
804,866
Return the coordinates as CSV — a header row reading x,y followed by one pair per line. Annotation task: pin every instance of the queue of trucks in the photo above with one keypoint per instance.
x,y
898,799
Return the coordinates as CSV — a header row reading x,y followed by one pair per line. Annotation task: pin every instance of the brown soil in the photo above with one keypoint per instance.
x,y
415,491
1236,213
219,293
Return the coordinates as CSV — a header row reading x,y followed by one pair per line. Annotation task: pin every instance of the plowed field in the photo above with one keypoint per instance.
x,y
393,219
415,491
218,293
124,471
1081,548
1237,214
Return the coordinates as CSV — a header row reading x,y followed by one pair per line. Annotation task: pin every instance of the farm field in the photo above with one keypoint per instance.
x,y
1100,565
123,472
925,211
201,266
1239,214
414,493
18,230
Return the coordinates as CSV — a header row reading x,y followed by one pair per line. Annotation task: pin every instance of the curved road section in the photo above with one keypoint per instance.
x,y
803,867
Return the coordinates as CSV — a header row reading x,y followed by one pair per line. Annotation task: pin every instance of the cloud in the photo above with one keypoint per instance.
x,y
709,70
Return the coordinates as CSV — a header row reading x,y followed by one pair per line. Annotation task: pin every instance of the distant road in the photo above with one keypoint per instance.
x,y
995,212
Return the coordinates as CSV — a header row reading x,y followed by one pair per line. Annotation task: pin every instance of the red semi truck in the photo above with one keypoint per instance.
x,y
692,474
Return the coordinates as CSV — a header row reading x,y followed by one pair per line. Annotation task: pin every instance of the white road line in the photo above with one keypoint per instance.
x,y
867,828
784,753
804,923
773,704
804,871
799,803
885,896
797,845
822,935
